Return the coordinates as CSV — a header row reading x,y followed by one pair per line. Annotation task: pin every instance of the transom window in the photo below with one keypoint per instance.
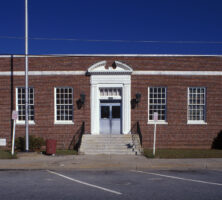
x,y
110,92
20,103
157,103
196,104
64,104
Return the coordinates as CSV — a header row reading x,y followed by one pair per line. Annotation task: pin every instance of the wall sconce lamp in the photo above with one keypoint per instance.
x,y
138,97
81,101
82,98
135,101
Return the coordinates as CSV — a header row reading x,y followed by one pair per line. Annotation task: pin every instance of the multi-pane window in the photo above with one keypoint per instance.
x,y
64,104
196,103
157,103
20,102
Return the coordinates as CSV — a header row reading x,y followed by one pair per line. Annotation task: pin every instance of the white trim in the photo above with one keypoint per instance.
x,y
47,73
197,122
154,72
179,73
55,113
159,122
190,122
55,105
63,122
23,122
105,80
102,68
107,97
114,55
42,73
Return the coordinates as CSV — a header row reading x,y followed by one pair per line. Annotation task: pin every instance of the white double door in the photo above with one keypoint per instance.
x,y
110,117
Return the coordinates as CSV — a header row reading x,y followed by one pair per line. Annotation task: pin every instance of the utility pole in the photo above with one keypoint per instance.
x,y
26,80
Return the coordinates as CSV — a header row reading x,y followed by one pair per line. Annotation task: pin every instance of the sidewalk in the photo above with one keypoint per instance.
x,y
106,162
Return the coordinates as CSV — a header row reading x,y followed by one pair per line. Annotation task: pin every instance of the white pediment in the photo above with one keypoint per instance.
x,y
116,68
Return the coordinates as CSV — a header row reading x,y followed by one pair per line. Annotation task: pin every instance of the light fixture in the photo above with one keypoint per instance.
x,y
135,101
82,98
81,101
138,97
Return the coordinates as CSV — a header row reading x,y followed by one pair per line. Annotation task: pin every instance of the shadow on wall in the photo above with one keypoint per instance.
x,y
77,138
217,142
135,130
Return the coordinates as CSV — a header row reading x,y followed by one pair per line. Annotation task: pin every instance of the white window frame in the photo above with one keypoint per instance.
x,y
55,109
159,121
188,103
22,122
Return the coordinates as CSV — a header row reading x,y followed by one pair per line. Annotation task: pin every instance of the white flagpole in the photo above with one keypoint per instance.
x,y
26,79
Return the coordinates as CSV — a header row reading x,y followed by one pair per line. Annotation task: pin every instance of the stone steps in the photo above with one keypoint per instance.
x,y
110,144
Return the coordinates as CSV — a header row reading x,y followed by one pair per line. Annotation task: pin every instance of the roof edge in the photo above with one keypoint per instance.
x,y
114,55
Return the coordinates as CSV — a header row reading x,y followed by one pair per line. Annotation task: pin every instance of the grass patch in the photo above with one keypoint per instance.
x,y
60,152
7,155
184,153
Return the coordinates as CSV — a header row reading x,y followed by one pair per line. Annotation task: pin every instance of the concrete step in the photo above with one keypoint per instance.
x,y
110,144
105,148
109,152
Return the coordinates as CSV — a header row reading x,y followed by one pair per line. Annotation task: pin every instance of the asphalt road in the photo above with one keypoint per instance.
x,y
105,185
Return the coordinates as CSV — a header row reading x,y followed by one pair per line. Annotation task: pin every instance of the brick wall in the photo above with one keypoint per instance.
x,y
177,134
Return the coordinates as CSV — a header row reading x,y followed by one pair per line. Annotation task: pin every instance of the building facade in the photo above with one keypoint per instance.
x,y
111,94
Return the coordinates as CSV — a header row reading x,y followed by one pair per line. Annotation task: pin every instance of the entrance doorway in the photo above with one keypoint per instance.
x,y
110,117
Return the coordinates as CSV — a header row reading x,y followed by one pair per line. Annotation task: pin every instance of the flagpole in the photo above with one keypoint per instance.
x,y
26,79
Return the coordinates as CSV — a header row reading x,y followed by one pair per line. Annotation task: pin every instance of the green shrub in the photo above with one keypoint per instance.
x,y
148,153
20,143
35,143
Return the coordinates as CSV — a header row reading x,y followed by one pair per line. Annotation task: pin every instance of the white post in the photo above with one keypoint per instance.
x,y
154,140
13,138
155,116
14,117
26,79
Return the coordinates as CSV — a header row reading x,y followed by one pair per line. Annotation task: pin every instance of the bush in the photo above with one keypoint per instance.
x,y
20,143
217,143
35,143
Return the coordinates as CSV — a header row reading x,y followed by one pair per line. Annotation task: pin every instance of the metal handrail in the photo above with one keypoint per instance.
x,y
77,138
136,131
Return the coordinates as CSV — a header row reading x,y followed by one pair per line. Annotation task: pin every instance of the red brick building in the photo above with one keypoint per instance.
x,y
110,94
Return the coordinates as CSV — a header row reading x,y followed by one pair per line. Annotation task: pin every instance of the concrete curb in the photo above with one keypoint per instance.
x,y
106,162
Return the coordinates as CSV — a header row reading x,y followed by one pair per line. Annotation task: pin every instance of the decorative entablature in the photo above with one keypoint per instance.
x,y
114,68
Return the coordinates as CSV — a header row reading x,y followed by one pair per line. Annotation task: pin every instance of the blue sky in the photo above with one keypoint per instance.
x,y
128,20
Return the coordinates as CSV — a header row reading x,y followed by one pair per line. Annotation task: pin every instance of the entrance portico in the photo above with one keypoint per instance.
x,y
110,84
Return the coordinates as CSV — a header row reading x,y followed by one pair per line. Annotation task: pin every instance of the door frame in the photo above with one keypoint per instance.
x,y
111,103
104,75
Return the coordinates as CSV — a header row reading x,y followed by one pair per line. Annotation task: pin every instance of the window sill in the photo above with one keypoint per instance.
x,y
63,122
159,122
23,123
197,123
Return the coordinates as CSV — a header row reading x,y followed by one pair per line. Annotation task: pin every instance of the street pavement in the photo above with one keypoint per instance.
x,y
103,184
36,176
